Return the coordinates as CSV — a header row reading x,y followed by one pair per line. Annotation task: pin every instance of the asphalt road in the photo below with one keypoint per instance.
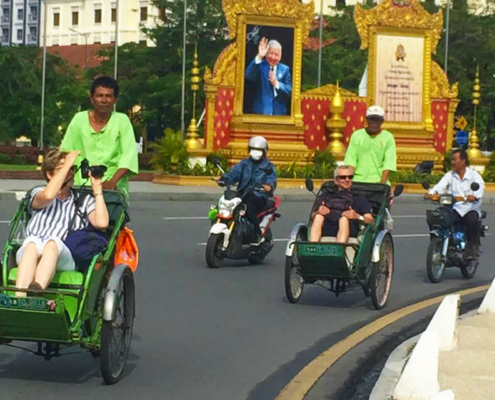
x,y
223,334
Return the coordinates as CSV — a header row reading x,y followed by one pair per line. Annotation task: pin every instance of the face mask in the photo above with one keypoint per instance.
x,y
256,154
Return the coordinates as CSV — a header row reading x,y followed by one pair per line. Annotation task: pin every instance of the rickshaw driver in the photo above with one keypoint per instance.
x,y
371,150
53,208
257,172
339,214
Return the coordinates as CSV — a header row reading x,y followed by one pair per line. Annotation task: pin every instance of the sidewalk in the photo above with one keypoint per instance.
x,y
453,359
143,191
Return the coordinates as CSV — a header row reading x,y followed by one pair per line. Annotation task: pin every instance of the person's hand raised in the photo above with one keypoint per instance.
x,y
262,48
70,158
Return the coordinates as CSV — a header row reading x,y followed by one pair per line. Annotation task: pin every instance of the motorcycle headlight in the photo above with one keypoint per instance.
x,y
446,200
225,209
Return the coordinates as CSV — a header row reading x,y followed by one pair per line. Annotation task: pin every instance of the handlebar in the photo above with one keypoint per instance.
x,y
436,197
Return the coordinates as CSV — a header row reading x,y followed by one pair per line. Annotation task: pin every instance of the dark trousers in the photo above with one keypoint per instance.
x,y
255,204
471,222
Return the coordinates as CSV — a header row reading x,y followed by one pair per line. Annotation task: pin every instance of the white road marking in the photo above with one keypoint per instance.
x,y
4,222
411,235
183,218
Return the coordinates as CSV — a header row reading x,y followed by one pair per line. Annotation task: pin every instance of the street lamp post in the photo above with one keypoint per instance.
x,y
42,123
85,46
116,40
183,100
447,23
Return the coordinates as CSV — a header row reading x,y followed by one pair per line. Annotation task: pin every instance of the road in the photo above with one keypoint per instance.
x,y
223,334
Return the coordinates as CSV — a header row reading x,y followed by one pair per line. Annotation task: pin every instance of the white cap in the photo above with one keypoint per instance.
x,y
375,110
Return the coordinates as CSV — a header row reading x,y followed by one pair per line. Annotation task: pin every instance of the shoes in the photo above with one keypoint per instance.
x,y
472,253
259,239
34,286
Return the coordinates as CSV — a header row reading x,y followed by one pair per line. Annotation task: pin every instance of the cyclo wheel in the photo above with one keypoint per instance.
x,y
435,266
116,335
381,274
294,282
468,270
213,251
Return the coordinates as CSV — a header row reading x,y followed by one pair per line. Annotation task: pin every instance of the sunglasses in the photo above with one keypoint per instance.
x,y
350,177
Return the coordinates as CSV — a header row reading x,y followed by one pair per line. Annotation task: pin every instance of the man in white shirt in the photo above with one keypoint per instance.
x,y
458,183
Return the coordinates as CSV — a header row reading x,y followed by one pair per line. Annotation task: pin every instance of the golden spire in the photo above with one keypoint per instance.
x,y
336,125
474,146
192,142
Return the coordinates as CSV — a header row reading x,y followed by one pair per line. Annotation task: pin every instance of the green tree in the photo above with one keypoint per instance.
x,y
21,83
152,76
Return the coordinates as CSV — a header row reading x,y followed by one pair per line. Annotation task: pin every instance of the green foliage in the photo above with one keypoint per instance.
x,y
489,175
447,161
170,154
21,82
322,168
414,177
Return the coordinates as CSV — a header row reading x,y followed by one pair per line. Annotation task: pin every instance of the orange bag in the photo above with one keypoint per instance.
x,y
126,251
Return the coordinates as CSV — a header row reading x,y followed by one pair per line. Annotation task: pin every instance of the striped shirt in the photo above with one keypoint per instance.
x,y
55,219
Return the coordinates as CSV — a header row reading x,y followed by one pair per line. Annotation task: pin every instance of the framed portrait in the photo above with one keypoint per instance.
x,y
268,71
399,64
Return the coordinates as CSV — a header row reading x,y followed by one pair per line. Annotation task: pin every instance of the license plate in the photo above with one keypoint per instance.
x,y
23,303
321,250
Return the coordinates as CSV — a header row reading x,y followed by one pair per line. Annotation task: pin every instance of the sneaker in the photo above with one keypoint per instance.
x,y
34,286
259,239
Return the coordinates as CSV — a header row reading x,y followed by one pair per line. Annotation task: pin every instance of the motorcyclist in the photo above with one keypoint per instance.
x,y
458,183
257,180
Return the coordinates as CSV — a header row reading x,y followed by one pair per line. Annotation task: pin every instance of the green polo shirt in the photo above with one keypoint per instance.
x,y
114,146
371,155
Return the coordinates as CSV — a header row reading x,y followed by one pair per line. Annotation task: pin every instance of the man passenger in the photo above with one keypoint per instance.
x,y
339,214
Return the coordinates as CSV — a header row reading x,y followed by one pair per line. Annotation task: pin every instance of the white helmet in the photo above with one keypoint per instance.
x,y
258,142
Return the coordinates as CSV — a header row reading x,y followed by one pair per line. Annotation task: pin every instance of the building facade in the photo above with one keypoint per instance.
x,y
19,22
90,22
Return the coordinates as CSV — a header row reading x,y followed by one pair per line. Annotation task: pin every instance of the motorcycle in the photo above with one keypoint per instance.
x,y
232,235
448,238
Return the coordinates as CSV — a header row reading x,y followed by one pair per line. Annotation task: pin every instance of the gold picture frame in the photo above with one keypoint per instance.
x,y
260,122
426,125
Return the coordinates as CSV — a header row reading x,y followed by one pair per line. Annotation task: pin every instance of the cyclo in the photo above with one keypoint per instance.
x,y
366,261
94,309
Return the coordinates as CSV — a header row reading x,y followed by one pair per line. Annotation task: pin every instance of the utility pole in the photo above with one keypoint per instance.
x,y
43,78
447,20
320,43
183,100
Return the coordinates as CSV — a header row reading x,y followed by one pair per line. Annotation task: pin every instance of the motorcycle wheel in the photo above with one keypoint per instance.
x,y
214,254
469,269
435,266
259,256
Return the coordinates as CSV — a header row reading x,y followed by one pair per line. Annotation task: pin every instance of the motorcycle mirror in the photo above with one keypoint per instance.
x,y
309,184
475,186
268,170
425,185
398,190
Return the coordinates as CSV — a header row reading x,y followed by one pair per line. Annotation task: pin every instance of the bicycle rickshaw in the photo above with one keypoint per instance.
x,y
94,309
366,261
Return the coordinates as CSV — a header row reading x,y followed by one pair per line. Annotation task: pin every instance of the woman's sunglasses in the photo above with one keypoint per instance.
x,y
350,177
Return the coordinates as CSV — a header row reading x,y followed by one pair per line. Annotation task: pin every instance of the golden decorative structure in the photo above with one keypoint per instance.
x,y
414,140
474,143
336,125
329,91
192,141
285,133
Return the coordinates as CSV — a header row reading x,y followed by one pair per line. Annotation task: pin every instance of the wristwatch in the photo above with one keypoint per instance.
x,y
361,218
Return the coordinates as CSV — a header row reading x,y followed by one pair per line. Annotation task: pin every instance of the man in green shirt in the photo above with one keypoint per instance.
x,y
104,137
371,150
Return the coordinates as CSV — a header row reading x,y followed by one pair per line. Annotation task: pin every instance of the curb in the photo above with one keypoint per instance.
x,y
416,378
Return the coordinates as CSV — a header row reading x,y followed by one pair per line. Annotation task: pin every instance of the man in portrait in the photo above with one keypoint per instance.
x,y
270,79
